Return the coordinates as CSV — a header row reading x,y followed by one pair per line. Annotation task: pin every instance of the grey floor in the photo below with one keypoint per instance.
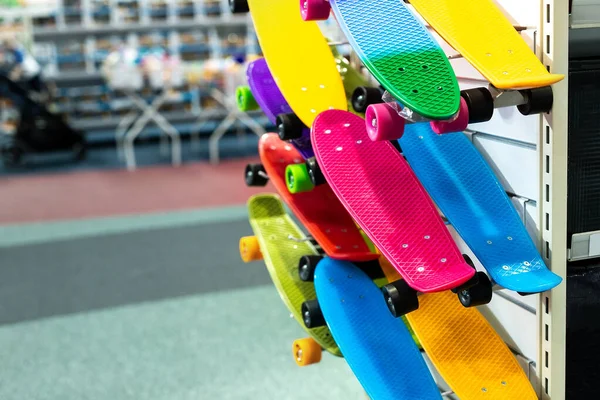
x,y
148,307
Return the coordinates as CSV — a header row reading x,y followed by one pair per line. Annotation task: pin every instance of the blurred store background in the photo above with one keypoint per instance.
x,y
122,201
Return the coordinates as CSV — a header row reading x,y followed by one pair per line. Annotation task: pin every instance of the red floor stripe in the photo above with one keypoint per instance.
x,y
104,193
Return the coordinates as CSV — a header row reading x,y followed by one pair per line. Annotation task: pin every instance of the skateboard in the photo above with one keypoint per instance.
x,y
477,365
468,193
318,210
398,51
479,31
378,348
298,57
273,228
263,90
384,197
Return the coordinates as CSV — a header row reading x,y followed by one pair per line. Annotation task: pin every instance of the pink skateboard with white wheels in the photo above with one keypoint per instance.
x,y
383,195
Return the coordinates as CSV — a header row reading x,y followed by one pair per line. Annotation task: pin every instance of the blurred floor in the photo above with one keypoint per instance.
x,y
99,302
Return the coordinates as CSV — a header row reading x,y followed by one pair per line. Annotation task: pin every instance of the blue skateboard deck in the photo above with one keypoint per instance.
x,y
271,101
378,347
401,54
468,193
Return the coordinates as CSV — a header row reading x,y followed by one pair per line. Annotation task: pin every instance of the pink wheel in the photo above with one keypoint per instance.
x,y
459,124
383,122
314,10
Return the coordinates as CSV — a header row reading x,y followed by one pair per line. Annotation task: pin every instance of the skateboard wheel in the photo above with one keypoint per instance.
x,y
250,249
458,124
383,122
314,171
364,96
245,100
238,6
314,10
307,266
400,298
289,126
298,179
255,175
480,103
306,351
312,315
479,294
538,100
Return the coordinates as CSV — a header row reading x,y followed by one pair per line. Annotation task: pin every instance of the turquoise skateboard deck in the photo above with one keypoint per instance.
x,y
378,347
468,193
401,54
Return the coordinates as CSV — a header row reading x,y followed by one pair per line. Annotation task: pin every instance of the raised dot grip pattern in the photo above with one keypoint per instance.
x,y
401,54
384,197
475,362
319,210
481,33
272,226
377,346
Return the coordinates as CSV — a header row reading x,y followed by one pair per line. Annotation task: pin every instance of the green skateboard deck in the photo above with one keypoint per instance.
x,y
275,231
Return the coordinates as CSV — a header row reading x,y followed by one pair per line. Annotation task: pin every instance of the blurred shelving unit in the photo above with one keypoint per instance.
x,y
72,38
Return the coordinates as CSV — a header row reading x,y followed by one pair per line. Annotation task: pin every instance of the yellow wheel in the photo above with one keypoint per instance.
x,y
249,249
306,352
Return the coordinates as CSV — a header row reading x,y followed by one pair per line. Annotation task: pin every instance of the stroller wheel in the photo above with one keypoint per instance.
x,y
11,154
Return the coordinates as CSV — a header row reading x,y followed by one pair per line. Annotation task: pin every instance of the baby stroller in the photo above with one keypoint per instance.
x,y
38,130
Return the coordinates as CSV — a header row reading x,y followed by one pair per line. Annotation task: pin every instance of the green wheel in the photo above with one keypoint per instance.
x,y
245,100
297,178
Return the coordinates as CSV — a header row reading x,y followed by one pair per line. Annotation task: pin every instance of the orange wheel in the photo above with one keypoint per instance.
x,y
306,351
249,249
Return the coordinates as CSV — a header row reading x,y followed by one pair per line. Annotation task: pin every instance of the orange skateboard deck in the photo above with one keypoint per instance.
x,y
475,363
319,210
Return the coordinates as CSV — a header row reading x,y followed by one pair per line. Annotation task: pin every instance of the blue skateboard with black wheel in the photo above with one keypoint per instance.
x,y
468,193
378,347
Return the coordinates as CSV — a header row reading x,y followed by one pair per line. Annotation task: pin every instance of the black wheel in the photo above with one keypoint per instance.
x,y
312,315
480,103
255,175
524,294
538,100
314,171
400,298
307,266
238,6
371,268
12,154
479,294
289,126
364,96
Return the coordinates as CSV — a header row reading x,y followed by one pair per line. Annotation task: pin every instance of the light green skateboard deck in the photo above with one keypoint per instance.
x,y
274,230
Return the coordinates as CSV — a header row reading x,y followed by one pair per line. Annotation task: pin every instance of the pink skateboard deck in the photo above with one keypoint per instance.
x,y
384,197
319,210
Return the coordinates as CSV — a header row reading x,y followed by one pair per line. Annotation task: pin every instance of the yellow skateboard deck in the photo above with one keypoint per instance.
x,y
486,38
467,352
299,58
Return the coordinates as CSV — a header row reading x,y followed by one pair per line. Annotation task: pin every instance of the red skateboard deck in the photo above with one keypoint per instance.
x,y
319,210
384,197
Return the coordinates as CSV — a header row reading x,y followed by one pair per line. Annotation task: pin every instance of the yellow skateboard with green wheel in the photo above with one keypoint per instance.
x,y
479,31
282,245
298,56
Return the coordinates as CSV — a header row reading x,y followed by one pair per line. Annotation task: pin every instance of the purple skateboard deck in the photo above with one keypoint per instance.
x,y
271,101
